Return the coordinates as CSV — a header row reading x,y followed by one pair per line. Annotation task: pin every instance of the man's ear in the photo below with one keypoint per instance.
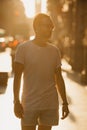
x,y
37,29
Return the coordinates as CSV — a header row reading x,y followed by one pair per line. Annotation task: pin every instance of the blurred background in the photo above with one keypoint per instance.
x,y
70,20
69,35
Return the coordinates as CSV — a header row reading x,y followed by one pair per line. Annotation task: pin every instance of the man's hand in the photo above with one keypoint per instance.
x,y
65,111
18,110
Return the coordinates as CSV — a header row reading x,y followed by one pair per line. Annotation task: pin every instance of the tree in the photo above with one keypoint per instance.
x,y
54,8
12,12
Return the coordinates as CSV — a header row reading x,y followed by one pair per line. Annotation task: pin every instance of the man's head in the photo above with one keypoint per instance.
x,y
43,25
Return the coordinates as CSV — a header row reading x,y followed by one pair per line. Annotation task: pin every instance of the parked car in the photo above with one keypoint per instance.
x,y
5,69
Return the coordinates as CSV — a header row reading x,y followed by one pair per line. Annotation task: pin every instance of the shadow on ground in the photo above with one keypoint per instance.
x,y
75,76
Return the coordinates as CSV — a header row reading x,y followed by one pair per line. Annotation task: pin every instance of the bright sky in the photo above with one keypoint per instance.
x,y
30,6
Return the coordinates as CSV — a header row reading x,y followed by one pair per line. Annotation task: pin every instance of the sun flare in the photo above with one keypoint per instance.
x,y
30,6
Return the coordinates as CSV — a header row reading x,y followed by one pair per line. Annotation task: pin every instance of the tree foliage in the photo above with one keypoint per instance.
x,y
54,5
11,12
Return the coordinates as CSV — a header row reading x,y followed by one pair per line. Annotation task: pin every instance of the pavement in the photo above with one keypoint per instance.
x,y
77,98
76,95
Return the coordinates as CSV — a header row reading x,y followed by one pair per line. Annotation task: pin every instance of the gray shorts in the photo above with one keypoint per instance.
x,y
40,117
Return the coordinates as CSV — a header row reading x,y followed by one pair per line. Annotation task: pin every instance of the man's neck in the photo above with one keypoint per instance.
x,y
40,42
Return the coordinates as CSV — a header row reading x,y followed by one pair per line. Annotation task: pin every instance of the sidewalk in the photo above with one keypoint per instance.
x,y
77,96
70,73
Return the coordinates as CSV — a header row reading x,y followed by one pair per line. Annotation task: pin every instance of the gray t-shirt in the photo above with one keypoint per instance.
x,y
40,64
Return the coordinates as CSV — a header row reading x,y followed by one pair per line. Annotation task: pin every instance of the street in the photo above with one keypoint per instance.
x,y
77,98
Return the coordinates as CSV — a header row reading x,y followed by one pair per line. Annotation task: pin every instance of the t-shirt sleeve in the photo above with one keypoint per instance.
x,y
19,55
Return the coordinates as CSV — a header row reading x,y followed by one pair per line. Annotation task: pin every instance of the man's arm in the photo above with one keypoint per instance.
x,y
18,69
62,91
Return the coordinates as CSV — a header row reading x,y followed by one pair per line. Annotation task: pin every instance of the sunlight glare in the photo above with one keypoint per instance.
x,y
43,6
29,7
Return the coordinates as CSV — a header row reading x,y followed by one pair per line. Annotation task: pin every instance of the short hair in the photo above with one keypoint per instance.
x,y
39,18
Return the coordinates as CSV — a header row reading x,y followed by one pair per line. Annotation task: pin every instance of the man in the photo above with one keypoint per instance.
x,y
40,64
